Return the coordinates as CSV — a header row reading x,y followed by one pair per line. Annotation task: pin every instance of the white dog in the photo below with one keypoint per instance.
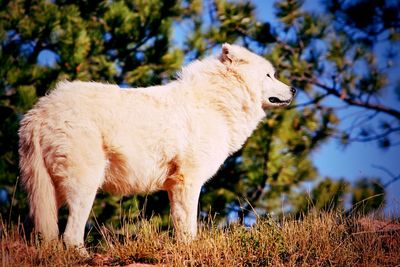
x,y
86,136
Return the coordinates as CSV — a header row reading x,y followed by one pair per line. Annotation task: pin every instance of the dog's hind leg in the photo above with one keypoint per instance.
x,y
81,193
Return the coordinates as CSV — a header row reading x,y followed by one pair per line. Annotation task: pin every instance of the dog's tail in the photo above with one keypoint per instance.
x,y
36,179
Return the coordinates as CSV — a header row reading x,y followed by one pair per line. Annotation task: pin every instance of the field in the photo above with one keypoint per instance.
x,y
319,239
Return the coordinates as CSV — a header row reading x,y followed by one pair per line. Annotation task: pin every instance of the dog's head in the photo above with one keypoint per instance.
x,y
259,74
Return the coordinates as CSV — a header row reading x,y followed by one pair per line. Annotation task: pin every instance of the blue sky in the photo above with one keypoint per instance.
x,y
357,159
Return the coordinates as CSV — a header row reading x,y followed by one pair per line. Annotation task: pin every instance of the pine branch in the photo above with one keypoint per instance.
x,y
314,101
384,109
332,91
374,137
395,178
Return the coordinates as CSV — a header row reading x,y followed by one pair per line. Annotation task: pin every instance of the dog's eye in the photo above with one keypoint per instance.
x,y
269,76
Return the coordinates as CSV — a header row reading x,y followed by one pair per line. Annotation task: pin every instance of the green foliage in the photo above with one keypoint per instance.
x,y
327,195
368,195
279,164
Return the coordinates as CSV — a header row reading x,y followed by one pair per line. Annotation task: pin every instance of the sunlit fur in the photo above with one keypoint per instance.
x,y
85,136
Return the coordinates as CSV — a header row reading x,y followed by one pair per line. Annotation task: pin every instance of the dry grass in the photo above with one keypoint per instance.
x,y
321,239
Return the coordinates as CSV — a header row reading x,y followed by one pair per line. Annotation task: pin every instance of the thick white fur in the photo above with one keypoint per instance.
x,y
86,136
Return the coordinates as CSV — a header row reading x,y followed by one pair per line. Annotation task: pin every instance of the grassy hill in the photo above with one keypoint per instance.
x,y
319,239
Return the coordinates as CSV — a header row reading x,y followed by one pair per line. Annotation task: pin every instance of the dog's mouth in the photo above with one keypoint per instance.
x,y
279,102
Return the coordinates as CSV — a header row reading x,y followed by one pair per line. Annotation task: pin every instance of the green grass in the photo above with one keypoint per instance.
x,y
319,239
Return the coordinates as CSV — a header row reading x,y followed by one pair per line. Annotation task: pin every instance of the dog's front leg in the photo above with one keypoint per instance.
x,y
184,197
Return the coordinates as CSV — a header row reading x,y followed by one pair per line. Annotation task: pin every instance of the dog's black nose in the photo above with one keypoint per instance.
x,y
293,90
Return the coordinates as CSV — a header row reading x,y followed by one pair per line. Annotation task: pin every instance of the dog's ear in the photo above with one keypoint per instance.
x,y
226,56
229,55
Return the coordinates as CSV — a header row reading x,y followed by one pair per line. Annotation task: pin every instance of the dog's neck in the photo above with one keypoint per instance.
x,y
225,90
